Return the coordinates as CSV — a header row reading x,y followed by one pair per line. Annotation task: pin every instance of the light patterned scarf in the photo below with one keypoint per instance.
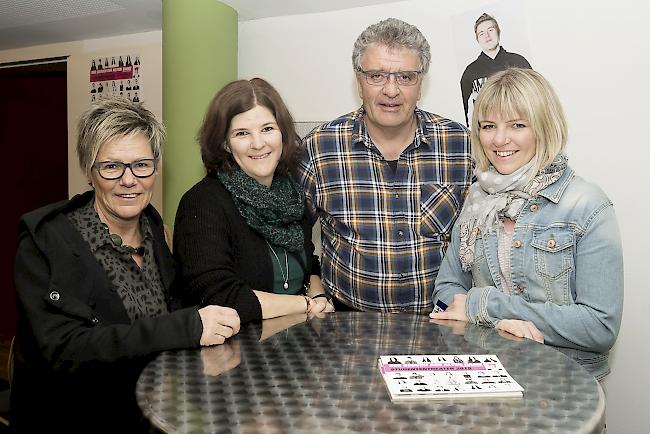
x,y
495,196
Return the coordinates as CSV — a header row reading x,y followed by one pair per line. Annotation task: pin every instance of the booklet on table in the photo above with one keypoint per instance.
x,y
447,376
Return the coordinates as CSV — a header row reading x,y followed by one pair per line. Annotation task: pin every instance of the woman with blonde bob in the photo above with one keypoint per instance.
x,y
536,251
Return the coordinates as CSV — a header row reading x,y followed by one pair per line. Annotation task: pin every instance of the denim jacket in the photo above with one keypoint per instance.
x,y
566,266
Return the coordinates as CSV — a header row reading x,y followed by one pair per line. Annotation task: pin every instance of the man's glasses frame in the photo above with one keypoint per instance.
x,y
142,168
380,78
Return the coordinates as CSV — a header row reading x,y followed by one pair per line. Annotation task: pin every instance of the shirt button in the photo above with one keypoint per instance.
x,y
401,275
534,207
396,195
550,243
54,295
517,244
94,320
400,233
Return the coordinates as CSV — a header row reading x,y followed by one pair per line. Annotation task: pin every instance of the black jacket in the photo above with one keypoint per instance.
x,y
222,259
479,70
78,356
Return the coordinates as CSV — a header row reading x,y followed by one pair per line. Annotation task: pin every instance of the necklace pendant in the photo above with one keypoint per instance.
x,y
286,285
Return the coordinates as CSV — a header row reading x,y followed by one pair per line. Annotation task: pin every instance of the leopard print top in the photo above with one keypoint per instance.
x,y
140,289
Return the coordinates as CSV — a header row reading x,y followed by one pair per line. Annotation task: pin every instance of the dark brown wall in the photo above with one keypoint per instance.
x,y
34,141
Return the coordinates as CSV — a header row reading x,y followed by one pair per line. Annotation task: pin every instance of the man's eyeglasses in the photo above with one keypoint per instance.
x,y
115,169
380,78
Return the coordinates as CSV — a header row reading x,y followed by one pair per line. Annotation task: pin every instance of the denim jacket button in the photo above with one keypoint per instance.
x,y
54,295
534,207
517,244
550,243
520,287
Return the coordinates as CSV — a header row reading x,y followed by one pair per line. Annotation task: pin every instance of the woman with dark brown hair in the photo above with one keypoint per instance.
x,y
240,233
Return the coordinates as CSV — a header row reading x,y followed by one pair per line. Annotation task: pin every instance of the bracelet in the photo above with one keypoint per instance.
x,y
306,301
329,298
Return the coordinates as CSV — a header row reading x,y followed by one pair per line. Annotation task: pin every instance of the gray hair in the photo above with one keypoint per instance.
x,y
392,33
111,118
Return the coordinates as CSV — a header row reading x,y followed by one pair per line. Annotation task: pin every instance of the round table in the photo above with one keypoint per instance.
x,y
321,376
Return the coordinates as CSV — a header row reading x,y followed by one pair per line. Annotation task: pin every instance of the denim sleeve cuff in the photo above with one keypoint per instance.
x,y
476,306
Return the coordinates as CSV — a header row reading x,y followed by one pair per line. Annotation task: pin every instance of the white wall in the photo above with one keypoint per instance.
x,y
596,55
148,45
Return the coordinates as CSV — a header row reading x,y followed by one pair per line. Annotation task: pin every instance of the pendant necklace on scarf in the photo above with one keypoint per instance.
x,y
286,265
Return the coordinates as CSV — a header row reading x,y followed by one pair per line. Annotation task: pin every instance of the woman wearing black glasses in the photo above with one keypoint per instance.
x,y
94,276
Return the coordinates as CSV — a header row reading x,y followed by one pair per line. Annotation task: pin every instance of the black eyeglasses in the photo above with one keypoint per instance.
x,y
380,78
115,169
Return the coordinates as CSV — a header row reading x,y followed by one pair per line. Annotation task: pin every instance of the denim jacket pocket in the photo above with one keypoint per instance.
x,y
439,207
480,271
553,254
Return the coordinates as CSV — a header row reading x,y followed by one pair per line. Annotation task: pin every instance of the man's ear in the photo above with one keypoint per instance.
x,y
359,86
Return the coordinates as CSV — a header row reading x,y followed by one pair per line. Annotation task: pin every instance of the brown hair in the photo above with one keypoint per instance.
x,y
486,17
239,97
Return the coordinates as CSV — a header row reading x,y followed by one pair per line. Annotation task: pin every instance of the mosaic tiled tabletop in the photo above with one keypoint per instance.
x,y
321,376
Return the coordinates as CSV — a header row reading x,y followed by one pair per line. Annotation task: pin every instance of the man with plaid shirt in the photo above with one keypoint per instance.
x,y
387,181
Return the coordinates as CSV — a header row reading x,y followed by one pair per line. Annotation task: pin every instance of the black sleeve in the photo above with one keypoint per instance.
x,y
70,334
203,246
466,91
524,63
314,269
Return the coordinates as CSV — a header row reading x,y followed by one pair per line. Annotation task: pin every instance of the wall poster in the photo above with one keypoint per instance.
x,y
116,75
480,40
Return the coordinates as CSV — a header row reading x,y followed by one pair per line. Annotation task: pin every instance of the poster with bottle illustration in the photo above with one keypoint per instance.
x,y
116,75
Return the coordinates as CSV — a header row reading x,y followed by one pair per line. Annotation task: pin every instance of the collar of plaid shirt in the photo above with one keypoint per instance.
x,y
360,132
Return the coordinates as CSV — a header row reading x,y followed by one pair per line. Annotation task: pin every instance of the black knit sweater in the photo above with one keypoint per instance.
x,y
222,259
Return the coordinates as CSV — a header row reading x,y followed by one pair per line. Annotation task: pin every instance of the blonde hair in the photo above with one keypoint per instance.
x,y
113,117
525,94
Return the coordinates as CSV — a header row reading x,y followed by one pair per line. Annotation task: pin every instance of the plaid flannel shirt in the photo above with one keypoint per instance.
x,y
384,233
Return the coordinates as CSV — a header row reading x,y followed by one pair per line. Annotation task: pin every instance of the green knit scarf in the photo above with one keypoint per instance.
x,y
275,213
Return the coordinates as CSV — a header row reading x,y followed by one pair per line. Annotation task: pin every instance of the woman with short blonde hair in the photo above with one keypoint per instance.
x,y
94,279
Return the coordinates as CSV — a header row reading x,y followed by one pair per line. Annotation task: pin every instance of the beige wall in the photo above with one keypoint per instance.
x,y
148,45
